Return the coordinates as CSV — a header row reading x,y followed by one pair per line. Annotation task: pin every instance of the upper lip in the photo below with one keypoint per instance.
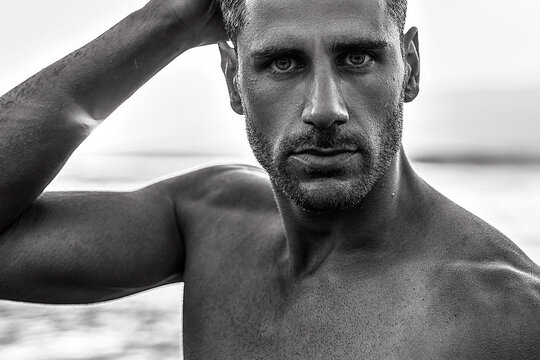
x,y
324,151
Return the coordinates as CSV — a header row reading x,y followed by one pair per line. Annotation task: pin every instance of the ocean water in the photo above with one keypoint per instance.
x,y
148,325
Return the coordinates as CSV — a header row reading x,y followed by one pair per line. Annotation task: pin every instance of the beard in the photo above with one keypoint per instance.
x,y
333,194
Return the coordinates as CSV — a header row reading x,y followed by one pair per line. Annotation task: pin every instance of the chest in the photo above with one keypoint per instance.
x,y
237,306
257,316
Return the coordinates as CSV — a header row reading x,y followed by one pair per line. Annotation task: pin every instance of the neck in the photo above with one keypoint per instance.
x,y
375,229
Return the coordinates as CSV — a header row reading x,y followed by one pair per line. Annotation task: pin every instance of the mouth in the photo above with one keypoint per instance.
x,y
313,157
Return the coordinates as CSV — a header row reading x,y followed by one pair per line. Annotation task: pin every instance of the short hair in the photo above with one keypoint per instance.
x,y
234,15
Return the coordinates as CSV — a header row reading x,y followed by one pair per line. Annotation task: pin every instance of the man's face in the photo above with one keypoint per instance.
x,y
321,84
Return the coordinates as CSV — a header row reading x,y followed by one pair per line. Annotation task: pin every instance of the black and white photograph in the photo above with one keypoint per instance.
x,y
269,179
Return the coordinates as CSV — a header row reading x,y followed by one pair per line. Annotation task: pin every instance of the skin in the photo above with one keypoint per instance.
x,y
398,272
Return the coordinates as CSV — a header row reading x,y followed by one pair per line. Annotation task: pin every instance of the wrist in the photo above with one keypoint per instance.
x,y
171,27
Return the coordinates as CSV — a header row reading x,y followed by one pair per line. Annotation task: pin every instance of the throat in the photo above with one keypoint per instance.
x,y
331,247
379,230
306,256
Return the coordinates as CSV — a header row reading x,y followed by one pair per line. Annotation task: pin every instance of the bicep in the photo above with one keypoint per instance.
x,y
91,246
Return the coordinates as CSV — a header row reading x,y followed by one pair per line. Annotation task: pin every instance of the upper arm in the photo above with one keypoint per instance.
x,y
80,247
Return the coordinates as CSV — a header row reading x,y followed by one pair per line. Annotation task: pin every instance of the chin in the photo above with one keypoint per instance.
x,y
327,195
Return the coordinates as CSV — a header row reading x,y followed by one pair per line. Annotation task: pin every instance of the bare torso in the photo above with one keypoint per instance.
x,y
241,302
444,286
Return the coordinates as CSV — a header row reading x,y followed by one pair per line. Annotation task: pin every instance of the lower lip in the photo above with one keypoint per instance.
x,y
325,161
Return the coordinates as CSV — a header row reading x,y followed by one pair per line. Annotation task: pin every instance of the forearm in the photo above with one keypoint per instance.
x,y
44,119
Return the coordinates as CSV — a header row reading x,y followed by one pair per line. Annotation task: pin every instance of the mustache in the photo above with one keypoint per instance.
x,y
332,137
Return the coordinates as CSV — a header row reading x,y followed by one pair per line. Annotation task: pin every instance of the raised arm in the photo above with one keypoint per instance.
x,y
76,241
43,120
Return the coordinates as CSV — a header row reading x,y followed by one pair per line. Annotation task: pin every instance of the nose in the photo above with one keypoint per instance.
x,y
325,106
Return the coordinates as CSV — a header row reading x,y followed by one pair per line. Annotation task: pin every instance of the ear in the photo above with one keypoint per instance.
x,y
412,63
229,65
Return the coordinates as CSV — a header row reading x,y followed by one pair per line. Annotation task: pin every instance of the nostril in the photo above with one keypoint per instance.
x,y
308,122
324,114
324,122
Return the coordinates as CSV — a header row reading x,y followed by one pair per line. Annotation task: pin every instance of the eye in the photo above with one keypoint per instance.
x,y
284,65
356,59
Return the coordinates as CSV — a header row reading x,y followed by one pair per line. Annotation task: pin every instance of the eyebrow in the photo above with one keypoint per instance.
x,y
337,46
276,50
360,44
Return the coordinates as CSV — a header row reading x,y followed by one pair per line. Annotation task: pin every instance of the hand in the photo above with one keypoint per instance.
x,y
202,18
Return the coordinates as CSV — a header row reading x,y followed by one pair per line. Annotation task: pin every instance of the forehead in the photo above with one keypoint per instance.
x,y
275,21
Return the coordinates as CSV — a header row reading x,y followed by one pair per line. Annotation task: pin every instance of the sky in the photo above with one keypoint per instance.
x,y
479,85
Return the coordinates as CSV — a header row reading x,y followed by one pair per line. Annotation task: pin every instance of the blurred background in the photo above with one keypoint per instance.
x,y
473,133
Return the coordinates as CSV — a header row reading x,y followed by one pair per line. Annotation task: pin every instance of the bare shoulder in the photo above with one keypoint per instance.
x,y
488,289
491,308
228,219
232,185
493,289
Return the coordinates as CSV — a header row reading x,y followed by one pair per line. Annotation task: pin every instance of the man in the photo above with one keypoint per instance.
x,y
338,251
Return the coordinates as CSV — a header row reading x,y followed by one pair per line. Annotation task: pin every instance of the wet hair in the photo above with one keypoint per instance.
x,y
234,15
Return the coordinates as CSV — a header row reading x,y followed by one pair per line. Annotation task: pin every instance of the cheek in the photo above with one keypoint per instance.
x,y
373,98
274,107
